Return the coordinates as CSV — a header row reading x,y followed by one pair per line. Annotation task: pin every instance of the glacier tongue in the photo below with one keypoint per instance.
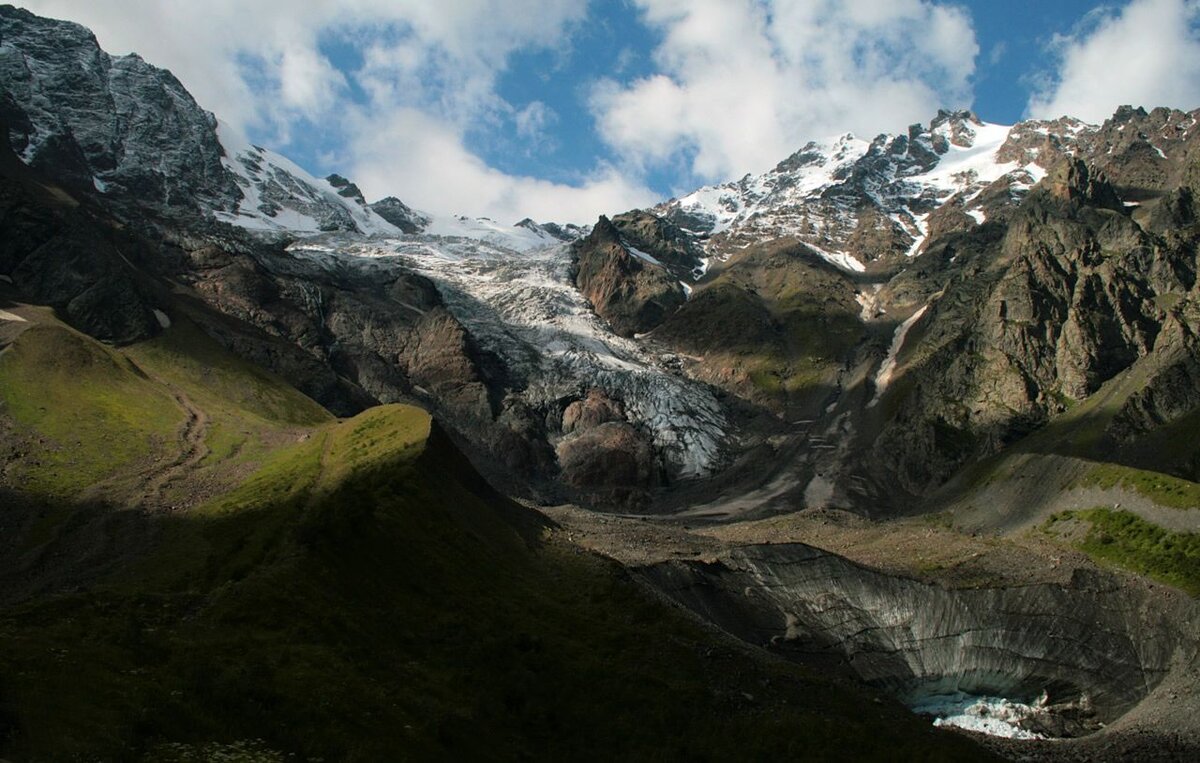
x,y
523,306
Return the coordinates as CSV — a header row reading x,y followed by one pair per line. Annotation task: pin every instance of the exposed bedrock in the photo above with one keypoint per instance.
x,y
1097,645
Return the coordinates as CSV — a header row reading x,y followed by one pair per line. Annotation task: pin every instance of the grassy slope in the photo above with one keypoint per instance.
x,y
364,596
96,414
774,326
1126,540
99,414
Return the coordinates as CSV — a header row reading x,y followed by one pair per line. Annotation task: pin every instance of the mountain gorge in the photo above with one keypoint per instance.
x,y
902,418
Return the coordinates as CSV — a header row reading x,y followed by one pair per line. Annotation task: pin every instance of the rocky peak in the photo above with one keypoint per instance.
x,y
114,123
628,288
1074,181
862,205
956,127
1043,142
346,189
565,233
400,215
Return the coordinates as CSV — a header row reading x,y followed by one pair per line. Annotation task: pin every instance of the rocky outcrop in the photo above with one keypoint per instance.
x,y
592,411
1022,321
602,457
392,336
57,252
678,252
1095,645
111,124
400,214
628,288
346,189
775,327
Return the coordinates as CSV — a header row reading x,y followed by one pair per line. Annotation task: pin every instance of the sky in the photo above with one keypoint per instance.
x,y
562,110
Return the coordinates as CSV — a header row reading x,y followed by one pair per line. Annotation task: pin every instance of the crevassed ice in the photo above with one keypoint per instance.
x,y
523,306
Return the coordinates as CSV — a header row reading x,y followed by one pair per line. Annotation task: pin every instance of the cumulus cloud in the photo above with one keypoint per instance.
x,y
1147,54
532,120
742,83
416,156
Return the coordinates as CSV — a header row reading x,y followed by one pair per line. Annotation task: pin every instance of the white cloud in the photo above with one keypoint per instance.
x,y
532,120
415,156
1148,55
743,83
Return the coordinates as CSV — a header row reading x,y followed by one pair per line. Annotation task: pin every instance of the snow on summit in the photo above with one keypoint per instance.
x,y
817,195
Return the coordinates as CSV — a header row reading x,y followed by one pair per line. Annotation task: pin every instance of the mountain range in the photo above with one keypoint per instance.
x,y
284,472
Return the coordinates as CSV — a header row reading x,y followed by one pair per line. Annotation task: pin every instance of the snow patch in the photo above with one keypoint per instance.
x,y
884,377
7,316
163,320
641,255
840,259
960,168
99,184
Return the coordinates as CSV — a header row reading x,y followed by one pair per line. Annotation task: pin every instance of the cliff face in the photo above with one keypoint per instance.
x,y
1030,318
1095,647
112,123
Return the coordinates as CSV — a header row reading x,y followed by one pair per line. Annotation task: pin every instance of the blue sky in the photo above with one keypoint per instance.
x,y
565,109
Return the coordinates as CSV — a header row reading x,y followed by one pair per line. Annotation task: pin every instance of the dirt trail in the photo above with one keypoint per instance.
x,y
1038,485
192,450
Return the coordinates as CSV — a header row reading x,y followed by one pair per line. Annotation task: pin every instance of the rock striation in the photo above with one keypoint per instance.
x,y
1094,648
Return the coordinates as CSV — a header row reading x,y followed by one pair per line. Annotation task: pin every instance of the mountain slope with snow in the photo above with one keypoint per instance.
x,y
855,201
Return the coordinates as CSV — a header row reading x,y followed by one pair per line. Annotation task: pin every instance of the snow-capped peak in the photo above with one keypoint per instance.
x,y
854,201
280,196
